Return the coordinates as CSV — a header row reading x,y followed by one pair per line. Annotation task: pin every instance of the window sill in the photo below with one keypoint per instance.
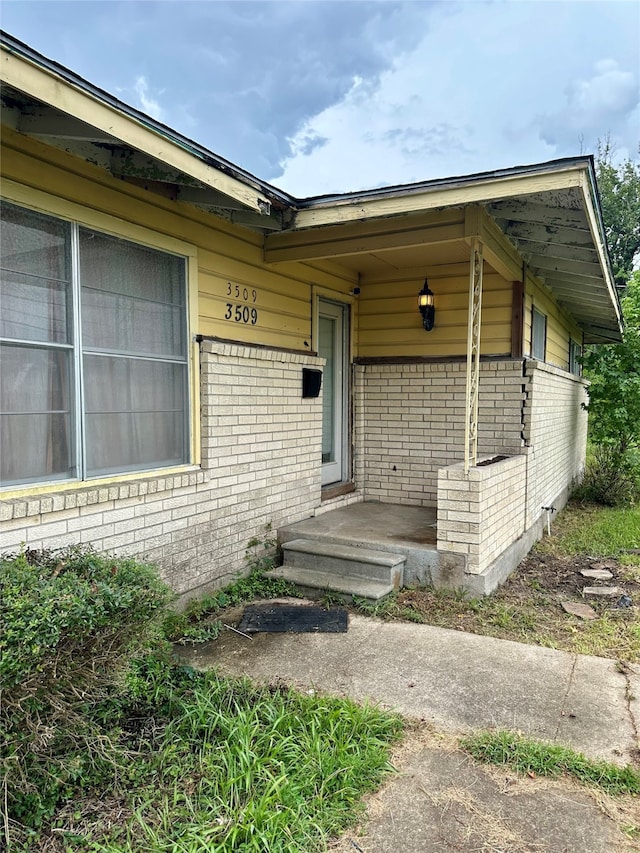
x,y
86,494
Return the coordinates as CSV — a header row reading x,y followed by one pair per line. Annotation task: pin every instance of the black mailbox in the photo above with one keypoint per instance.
x,y
311,382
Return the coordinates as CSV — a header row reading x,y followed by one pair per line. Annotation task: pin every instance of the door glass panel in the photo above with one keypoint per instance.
x,y
327,335
332,346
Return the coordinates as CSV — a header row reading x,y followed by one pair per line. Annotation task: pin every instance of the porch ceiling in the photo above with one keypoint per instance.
x,y
549,215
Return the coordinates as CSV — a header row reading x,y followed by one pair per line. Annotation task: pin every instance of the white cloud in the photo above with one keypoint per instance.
x,y
490,85
148,104
600,104
331,96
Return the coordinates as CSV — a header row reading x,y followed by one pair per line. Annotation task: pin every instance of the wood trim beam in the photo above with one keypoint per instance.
x,y
364,237
517,319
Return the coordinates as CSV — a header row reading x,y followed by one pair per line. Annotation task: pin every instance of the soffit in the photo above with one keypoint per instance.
x,y
45,101
549,214
554,233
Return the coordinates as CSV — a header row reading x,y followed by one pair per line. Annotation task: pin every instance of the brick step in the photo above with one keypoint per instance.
x,y
331,582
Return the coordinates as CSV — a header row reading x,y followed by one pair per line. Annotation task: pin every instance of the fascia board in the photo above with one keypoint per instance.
x,y
46,86
415,200
592,208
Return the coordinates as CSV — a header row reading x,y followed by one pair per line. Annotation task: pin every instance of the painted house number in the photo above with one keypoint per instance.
x,y
239,313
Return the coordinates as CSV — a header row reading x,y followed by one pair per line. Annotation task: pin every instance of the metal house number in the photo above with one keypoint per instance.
x,y
237,311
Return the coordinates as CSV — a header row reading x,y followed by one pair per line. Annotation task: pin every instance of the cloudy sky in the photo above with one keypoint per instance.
x,y
340,95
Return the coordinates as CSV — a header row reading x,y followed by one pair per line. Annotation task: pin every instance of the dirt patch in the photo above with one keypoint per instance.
x,y
560,576
528,607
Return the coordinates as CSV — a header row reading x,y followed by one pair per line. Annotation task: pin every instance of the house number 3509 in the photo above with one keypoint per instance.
x,y
241,313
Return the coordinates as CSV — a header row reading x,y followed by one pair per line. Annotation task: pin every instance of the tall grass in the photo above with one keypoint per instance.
x,y
538,758
595,531
220,765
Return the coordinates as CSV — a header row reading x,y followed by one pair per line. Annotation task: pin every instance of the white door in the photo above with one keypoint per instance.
x,y
333,346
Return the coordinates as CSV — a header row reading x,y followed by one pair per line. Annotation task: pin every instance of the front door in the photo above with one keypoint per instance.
x,y
333,346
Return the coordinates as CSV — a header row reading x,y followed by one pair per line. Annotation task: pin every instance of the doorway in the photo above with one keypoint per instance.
x,y
333,346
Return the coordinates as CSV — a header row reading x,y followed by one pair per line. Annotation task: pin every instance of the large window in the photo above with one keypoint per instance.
x,y
93,353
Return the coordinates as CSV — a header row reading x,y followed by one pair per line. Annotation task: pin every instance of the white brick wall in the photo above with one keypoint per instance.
x,y
261,451
410,421
555,429
481,513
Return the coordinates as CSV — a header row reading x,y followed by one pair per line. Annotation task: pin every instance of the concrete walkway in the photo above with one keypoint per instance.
x,y
459,682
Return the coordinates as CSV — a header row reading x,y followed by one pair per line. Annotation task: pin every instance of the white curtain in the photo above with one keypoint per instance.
x,y
36,402
134,355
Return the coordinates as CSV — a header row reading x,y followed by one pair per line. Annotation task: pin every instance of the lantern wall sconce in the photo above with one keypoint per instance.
x,y
426,306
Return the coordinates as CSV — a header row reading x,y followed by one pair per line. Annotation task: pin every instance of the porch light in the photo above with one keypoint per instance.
x,y
426,306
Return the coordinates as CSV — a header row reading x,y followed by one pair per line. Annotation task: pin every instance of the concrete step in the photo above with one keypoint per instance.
x,y
345,561
345,585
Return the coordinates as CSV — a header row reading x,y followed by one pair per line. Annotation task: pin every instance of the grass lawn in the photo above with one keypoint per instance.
x,y
204,763
528,607
216,765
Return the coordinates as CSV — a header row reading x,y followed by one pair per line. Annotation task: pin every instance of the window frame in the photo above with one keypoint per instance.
x,y
536,313
121,229
575,353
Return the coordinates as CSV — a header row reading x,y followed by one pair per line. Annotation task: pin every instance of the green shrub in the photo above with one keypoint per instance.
x,y
612,477
72,619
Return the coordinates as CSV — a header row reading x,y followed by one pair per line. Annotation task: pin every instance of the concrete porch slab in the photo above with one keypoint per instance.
x,y
369,524
395,528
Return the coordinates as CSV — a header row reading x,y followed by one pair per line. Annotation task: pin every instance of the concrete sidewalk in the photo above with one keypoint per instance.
x,y
453,682
457,681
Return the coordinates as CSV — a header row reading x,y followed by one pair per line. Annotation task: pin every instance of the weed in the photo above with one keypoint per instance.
x,y
218,764
332,599
198,622
262,551
537,758
383,608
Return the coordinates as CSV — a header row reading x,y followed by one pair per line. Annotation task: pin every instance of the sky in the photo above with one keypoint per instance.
x,y
343,95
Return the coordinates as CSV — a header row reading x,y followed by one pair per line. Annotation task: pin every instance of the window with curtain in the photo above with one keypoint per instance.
x,y
538,334
93,352
575,353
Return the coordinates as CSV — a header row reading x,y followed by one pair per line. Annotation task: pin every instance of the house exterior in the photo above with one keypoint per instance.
x,y
165,318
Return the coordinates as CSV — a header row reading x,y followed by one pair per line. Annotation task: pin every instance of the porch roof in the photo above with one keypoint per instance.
x,y
549,213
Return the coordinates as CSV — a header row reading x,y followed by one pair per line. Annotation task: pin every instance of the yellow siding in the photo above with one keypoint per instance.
x,y
560,326
231,271
389,322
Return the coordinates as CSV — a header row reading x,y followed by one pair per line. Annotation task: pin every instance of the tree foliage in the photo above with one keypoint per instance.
x,y
613,475
614,372
619,186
